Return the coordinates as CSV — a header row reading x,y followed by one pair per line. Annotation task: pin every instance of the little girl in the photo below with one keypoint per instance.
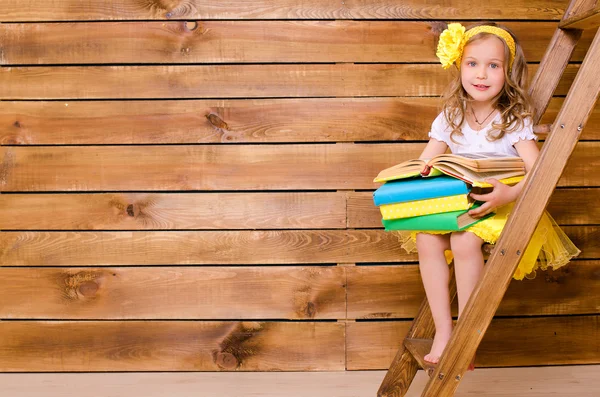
x,y
486,109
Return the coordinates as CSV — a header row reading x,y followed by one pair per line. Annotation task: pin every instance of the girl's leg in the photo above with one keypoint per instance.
x,y
435,276
468,267
468,264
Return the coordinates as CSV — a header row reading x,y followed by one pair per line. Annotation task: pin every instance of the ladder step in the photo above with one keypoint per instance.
x,y
419,348
585,20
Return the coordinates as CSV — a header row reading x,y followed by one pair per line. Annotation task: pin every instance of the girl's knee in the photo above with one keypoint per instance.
x,y
465,244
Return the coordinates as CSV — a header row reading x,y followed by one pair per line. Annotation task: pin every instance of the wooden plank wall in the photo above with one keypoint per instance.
x,y
186,185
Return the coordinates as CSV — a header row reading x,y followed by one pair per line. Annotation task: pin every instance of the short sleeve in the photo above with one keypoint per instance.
x,y
525,134
439,130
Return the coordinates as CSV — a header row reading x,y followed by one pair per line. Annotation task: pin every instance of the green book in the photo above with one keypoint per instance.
x,y
445,221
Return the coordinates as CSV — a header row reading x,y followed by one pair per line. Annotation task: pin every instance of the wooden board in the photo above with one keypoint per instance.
x,y
41,346
576,380
243,41
219,247
212,121
226,167
396,292
230,293
39,10
139,211
223,247
230,81
566,381
508,342
230,121
569,206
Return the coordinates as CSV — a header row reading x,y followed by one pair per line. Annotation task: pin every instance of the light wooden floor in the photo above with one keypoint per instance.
x,y
581,381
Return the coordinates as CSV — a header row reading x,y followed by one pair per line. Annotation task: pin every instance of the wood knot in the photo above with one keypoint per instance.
x,y
81,285
226,360
311,309
89,288
130,211
438,27
190,25
17,124
217,121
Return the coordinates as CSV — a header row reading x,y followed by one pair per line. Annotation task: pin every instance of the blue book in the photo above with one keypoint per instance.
x,y
416,189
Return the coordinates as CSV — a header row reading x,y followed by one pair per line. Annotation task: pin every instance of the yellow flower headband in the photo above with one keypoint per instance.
x,y
452,42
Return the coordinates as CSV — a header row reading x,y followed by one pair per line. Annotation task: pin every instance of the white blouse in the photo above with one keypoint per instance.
x,y
476,141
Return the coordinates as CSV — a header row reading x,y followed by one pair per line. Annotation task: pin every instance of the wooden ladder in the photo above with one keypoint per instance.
x,y
529,207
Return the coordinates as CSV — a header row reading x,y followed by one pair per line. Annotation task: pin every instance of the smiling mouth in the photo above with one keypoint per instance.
x,y
481,86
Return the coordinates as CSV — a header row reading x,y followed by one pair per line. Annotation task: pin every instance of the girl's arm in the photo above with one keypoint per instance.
x,y
433,148
503,194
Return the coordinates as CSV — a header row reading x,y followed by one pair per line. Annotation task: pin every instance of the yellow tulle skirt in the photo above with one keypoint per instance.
x,y
549,248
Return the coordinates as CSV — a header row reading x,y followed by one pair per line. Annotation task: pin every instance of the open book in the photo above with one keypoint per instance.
x,y
472,168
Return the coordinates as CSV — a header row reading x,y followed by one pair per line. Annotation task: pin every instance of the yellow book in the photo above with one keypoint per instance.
x,y
425,207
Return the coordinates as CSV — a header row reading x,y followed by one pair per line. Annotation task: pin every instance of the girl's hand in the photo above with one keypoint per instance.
x,y
500,195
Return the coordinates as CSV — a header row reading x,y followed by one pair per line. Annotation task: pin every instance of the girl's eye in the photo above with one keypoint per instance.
x,y
494,65
471,63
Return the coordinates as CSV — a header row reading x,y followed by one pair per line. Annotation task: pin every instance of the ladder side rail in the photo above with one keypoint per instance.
x,y
520,226
555,61
551,69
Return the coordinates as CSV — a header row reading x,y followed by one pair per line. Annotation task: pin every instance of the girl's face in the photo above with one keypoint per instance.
x,y
482,69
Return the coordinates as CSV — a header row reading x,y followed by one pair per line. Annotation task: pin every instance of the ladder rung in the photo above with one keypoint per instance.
x,y
585,20
419,348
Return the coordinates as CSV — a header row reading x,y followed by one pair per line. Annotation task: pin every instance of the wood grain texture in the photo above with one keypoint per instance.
x,y
219,247
592,128
139,211
230,121
224,121
396,292
170,346
587,16
173,293
222,247
230,81
206,167
244,41
554,64
508,342
225,167
572,206
38,10
566,381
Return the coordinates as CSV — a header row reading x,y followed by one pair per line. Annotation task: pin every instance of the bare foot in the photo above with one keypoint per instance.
x,y
440,340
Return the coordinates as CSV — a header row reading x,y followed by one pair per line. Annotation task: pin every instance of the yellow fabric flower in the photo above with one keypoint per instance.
x,y
450,45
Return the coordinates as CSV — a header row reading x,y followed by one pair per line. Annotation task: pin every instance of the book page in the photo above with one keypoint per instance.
x,y
467,175
480,161
403,170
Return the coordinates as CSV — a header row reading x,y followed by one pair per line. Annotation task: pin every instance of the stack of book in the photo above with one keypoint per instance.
x,y
438,199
